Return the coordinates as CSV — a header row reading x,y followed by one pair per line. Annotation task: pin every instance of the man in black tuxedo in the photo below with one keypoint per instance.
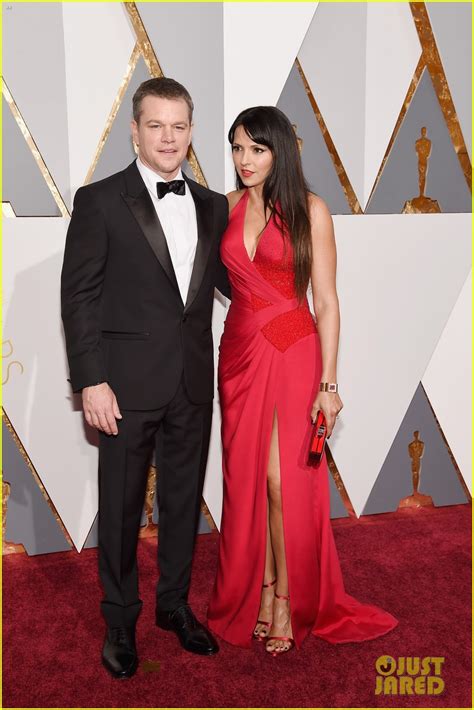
x,y
137,287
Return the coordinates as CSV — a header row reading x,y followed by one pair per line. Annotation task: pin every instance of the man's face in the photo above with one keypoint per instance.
x,y
163,134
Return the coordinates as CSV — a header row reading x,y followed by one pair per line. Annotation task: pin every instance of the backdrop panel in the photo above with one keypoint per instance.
x,y
359,81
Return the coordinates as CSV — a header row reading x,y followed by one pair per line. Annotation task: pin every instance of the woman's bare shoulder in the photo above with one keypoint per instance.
x,y
322,225
234,197
317,207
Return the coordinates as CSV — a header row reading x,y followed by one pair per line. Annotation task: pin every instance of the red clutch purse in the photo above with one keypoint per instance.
x,y
318,438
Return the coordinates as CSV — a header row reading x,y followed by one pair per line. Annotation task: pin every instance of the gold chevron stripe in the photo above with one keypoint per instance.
x,y
432,60
466,490
406,104
346,185
155,70
339,483
132,63
7,210
143,40
207,514
53,188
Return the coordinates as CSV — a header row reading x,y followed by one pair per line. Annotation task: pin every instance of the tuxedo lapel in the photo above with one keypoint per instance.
x,y
205,220
141,205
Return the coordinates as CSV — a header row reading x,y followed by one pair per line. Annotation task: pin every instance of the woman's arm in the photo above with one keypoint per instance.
x,y
326,304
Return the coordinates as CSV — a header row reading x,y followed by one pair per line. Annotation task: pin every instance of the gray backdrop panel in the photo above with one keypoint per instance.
x,y
23,183
34,69
317,163
30,520
451,23
445,180
438,476
337,508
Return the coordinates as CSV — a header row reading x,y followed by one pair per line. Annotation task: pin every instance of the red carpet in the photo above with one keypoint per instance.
x,y
417,566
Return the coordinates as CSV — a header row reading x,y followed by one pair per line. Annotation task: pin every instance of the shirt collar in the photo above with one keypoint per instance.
x,y
150,178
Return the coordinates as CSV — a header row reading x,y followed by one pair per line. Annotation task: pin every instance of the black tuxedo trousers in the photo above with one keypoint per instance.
x,y
125,323
180,430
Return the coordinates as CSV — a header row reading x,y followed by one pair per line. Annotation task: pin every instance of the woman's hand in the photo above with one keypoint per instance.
x,y
331,404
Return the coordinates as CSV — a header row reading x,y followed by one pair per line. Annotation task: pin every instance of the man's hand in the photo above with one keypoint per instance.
x,y
100,408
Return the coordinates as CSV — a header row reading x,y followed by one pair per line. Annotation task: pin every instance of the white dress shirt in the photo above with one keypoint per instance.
x,y
177,215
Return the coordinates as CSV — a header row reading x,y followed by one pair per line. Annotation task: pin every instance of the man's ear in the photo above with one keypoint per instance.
x,y
134,131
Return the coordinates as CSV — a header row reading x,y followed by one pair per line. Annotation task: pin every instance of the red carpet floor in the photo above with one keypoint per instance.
x,y
417,566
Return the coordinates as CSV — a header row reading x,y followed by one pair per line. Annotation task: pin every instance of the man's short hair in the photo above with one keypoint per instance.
x,y
163,87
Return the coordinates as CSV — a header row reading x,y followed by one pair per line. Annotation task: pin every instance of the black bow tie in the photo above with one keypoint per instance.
x,y
176,186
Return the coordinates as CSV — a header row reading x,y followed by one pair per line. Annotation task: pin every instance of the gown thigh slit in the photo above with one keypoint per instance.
x,y
277,454
270,362
274,482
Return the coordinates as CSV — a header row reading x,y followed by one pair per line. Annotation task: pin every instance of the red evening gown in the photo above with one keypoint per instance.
x,y
270,358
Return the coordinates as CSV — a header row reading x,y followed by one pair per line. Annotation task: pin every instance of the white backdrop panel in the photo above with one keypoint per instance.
x,y
98,42
398,279
39,401
359,59
448,381
393,51
259,50
212,493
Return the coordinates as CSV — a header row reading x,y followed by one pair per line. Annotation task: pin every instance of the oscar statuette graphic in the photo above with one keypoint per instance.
x,y
416,500
422,204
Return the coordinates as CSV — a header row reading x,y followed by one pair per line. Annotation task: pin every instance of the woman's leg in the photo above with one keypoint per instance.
x,y
268,592
281,625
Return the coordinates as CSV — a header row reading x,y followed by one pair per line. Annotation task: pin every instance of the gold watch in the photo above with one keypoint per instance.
x,y
328,386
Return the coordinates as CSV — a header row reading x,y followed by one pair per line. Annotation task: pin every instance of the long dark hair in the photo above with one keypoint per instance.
x,y
285,189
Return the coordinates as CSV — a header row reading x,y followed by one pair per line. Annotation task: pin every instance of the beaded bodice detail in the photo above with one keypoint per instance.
x,y
267,280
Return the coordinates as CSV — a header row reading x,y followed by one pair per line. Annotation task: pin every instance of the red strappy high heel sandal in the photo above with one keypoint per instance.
x,y
256,634
287,639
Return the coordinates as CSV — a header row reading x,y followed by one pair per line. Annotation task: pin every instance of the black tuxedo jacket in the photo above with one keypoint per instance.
x,y
124,318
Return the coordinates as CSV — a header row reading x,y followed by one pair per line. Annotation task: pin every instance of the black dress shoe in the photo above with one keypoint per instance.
x,y
119,654
193,636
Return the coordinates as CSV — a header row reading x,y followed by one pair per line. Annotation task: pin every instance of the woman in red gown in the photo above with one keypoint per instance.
x,y
278,576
